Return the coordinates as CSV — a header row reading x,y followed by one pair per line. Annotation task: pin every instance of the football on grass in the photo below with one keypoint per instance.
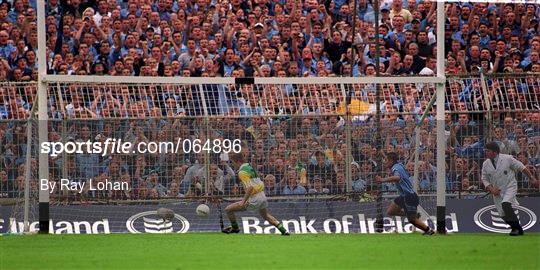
x,y
202,210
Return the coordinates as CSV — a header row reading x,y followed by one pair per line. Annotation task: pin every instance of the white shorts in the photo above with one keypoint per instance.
x,y
508,195
257,202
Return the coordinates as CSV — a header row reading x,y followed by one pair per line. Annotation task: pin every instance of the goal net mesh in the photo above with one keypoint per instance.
x,y
317,147
18,157
313,145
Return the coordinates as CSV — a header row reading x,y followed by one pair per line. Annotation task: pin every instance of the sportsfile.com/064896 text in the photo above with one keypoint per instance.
x,y
117,146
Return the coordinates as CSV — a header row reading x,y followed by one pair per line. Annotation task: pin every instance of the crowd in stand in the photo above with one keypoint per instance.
x,y
294,155
306,154
245,38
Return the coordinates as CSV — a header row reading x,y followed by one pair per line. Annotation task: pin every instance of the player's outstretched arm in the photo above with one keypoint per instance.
x,y
391,179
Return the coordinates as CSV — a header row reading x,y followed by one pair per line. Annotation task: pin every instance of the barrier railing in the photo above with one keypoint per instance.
x,y
317,136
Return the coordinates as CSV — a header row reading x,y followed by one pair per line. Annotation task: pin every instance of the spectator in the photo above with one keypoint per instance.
x,y
506,145
191,175
341,185
397,9
292,187
270,185
173,190
217,179
321,168
5,186
318,187
358,183
533,154
154,184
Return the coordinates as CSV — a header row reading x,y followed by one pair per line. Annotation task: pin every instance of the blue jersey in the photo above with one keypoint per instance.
x,y
404,185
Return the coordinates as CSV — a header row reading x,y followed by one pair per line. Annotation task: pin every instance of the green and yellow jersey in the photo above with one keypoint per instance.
x,y
249,178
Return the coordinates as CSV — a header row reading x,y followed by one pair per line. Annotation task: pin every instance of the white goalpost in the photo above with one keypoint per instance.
x,y
201,116
441,142
203,111
43,160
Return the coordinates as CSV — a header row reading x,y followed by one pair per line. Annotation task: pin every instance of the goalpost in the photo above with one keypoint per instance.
x,y
197,113
43,161
59,86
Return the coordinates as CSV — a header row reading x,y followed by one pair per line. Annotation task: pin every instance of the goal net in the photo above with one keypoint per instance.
x,y
18,152
317,147
503,108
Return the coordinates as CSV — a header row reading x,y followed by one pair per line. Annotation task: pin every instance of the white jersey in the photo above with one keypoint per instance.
x,y
502,174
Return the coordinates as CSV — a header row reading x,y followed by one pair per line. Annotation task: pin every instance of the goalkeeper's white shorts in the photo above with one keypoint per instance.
x,y
257,202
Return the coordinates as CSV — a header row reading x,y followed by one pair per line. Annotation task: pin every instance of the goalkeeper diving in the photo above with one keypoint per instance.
x,y
254,198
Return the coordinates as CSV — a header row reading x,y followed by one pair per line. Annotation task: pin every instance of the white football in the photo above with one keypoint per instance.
x,y
202,210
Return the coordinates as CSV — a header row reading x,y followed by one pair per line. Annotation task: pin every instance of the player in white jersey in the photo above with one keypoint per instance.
x,y
499,178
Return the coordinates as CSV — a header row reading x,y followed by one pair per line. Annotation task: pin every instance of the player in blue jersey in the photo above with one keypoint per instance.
x,y
407,202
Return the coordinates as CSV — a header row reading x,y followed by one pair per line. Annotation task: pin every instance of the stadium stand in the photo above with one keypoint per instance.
x,y
264,38
268,39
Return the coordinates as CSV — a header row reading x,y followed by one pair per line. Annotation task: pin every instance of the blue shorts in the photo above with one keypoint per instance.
x,y
408,202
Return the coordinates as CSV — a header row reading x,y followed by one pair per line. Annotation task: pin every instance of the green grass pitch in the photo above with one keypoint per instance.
x,y
216,251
